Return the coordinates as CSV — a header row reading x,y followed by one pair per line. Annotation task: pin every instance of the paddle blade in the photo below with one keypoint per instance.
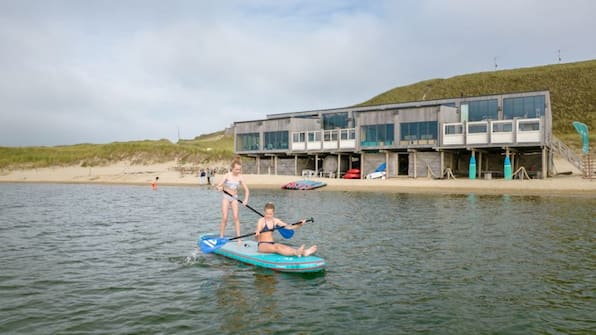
x,y
209,244
286,233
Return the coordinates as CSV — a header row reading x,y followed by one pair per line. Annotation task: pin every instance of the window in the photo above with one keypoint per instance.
x,y
348,134
247,142
524,107
483,110
330,135
426,130
478,128
529,126
454,129
276,140
314,136
336,120
503,127
298,137
379,134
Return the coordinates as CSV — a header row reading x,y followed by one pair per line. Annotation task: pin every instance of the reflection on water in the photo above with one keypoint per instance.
x,y
123,259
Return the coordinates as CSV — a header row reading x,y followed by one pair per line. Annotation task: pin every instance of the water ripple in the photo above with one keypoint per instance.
x,y
103,259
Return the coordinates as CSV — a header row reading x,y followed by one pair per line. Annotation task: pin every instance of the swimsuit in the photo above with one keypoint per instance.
x,y
231,185
267,229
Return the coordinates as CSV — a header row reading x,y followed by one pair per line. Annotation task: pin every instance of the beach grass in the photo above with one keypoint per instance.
x,y
205,148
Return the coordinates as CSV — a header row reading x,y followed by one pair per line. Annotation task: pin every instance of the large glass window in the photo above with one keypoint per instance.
x,y
523,107
426,130
275,140
483,110
247,142
335,120
376,135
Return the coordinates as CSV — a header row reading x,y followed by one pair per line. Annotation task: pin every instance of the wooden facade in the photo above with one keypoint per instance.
x,y
414,139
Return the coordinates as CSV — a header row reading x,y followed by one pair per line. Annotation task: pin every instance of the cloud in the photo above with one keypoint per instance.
x,y
129,70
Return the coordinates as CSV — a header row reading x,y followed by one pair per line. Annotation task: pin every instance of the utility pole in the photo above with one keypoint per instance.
x,y
495,62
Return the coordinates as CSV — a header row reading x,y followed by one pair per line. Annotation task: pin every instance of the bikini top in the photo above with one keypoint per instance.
x,y
231,184
266,228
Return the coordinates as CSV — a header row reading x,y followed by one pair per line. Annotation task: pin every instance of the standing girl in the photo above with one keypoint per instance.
x,y
230,183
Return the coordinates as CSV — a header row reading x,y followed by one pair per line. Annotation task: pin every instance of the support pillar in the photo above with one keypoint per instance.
x,y
339,165
479,171
442,163
415,165
544,162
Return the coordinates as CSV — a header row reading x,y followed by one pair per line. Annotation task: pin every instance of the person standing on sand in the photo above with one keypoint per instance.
x,y
264,233
154,184
202,177
230,183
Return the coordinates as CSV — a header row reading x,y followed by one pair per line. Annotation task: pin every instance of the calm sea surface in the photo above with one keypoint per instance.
x,y
101,259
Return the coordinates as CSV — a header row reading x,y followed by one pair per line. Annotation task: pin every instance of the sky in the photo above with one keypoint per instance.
x,y
100,71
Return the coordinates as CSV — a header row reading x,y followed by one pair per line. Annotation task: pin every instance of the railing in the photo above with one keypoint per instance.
x,y
324,139
500,132
559,147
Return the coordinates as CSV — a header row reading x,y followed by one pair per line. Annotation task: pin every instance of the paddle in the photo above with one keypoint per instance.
x,y
285,233
209,244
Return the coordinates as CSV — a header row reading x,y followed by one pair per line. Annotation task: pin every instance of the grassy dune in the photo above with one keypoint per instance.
x,y
573,97
572,87
201,149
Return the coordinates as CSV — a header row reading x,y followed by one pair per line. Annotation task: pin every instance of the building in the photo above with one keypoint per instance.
x,y
414,139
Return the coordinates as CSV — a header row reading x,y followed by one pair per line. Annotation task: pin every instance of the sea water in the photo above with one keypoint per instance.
x,y
108,259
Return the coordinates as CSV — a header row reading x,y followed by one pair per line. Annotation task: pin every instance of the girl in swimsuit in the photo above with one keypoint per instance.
x,y
265,227
230,182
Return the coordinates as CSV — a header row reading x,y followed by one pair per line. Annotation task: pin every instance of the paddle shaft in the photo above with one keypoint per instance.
x,y
274,228
240,201
285,233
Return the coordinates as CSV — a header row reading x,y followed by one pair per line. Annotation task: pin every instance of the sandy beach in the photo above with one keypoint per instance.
x,y
124,173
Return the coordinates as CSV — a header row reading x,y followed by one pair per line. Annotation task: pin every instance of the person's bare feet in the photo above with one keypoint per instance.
x,y
310,250
300,251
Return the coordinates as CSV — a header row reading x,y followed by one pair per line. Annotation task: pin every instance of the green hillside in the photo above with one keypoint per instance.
x,y
572,87
205,148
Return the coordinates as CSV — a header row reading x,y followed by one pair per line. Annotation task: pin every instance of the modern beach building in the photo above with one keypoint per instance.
x,y
414,139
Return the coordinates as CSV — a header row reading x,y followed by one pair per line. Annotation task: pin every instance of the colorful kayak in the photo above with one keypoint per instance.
x,y
303,185
246,252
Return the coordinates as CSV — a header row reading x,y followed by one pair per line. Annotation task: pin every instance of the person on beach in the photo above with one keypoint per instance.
x,y
264,234
154,183
208,172
230,182
202,177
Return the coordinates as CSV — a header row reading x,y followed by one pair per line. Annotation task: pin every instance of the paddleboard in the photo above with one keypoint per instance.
x,y
246,252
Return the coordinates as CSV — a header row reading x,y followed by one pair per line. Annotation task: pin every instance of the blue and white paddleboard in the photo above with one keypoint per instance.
x,y
246,252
